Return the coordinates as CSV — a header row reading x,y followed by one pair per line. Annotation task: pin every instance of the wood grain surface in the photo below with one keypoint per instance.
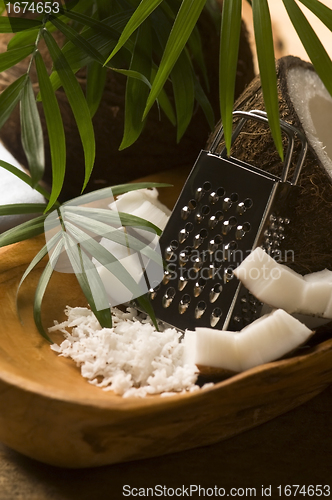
x,y
295,448
50,413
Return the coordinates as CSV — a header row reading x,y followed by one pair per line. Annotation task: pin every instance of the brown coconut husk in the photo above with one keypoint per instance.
x,y
155,150
310,233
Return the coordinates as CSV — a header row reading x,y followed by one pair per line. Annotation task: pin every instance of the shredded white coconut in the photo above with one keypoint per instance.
x,y
132,358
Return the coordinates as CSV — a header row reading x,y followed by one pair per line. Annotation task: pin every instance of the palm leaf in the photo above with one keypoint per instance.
x,y
101,41
37,258
15,24
24,177
22,232
22,208
41,288
77,40
315,50
163,100
77,103
111,217
95,84
32,133
55,130
265,53
12,57
110,192
89,281
144,303
184,93
141,13
28,37
125,239
136,90
229,47
111,31
182,28
320,10
106,258
10,97
204,103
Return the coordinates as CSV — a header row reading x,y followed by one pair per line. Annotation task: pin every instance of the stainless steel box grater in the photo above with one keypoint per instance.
x,y
225,210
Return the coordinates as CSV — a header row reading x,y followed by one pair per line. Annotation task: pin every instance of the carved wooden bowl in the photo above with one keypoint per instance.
x,y
49,412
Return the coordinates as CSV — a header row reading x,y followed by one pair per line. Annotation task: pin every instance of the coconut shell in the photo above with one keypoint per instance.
x,y
310,231
156,148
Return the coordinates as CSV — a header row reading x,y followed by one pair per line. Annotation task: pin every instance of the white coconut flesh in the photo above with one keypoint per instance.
x,y
280,287
266,339
313,105
142,203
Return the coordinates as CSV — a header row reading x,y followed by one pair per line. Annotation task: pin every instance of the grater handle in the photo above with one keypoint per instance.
x,y
290,131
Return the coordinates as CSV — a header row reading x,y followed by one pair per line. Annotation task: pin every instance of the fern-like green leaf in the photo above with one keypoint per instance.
x,y
265,53
55,130
77,103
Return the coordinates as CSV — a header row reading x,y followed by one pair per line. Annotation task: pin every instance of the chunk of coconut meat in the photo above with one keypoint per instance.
x,y
266,339
280,287
141,203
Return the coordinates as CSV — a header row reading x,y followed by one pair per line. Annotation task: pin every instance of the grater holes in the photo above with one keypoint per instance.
x,y
228,273
243,206
227,203
185,212
182,281
241,209
153,292
214,243
200,309
198,263
184,303
199,287
168,297
213,198
207,186
232,245
228,224
169,251
199,193
183,257
167,277
215,292
183,235
215,316
219,215
226,227
248,203
205,210
246,227
234,197
189,227
216,195
199,238
192,204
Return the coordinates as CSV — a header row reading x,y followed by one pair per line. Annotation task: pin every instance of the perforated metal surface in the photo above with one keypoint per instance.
x,y
225,210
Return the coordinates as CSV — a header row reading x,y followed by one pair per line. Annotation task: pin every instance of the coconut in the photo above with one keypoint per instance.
x,y
155,150
142,203
305,103
280,287
266,339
